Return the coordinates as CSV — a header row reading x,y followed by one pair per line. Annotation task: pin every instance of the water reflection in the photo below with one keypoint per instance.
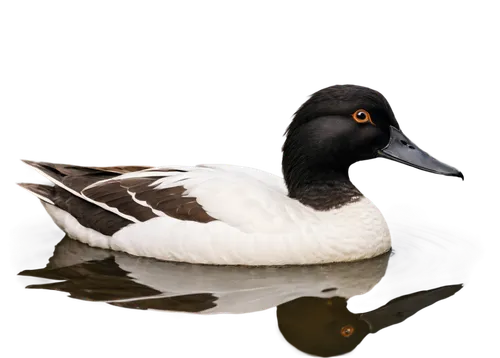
x,y
121,279
311,301
325,327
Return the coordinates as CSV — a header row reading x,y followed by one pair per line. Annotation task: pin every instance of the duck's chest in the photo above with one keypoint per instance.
x,y
350,219
354,231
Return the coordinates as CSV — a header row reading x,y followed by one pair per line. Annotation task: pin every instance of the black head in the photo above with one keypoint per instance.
x,y
341,125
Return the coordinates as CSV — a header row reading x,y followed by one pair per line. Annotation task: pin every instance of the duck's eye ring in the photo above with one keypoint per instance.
x,y
347,331
362,116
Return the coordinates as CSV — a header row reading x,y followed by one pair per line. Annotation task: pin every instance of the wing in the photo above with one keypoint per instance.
x,y
139,196
238,196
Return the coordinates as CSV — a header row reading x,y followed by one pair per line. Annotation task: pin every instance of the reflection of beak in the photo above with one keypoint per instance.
x,y
402,308
403,150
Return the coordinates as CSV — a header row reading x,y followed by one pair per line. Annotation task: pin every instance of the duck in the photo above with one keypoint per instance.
x,y
219,214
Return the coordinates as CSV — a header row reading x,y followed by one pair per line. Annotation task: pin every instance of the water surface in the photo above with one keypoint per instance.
x,y
312,301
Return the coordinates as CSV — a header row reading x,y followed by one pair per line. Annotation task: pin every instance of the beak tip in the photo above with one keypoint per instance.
x,y
455,173
452,173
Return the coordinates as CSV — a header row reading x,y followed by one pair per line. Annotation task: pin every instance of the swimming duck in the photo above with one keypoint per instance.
x,y
232,215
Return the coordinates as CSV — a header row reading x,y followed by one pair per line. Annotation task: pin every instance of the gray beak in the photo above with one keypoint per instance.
x,y
403,150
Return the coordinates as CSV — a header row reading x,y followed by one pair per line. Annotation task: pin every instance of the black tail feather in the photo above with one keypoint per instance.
x,y
87,214
44,192
61,171
71,176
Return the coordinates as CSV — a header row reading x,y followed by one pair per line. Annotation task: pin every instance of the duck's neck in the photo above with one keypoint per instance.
x,y
321,189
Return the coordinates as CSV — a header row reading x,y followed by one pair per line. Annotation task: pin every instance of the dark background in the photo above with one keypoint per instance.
x,y
110,114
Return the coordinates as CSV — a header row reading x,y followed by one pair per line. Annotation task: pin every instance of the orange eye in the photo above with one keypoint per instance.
x,y
362,116
347,331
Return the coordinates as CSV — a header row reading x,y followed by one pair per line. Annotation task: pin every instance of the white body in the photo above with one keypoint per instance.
x,y
256,223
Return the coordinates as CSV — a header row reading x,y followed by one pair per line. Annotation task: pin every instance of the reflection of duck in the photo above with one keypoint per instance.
x,y
322,327
103,275
312,314
240,216
325,327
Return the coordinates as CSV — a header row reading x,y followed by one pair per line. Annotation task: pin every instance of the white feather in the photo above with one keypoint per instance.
x,y
144,203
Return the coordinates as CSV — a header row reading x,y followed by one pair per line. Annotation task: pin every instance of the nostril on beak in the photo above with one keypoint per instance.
x,y
403,142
